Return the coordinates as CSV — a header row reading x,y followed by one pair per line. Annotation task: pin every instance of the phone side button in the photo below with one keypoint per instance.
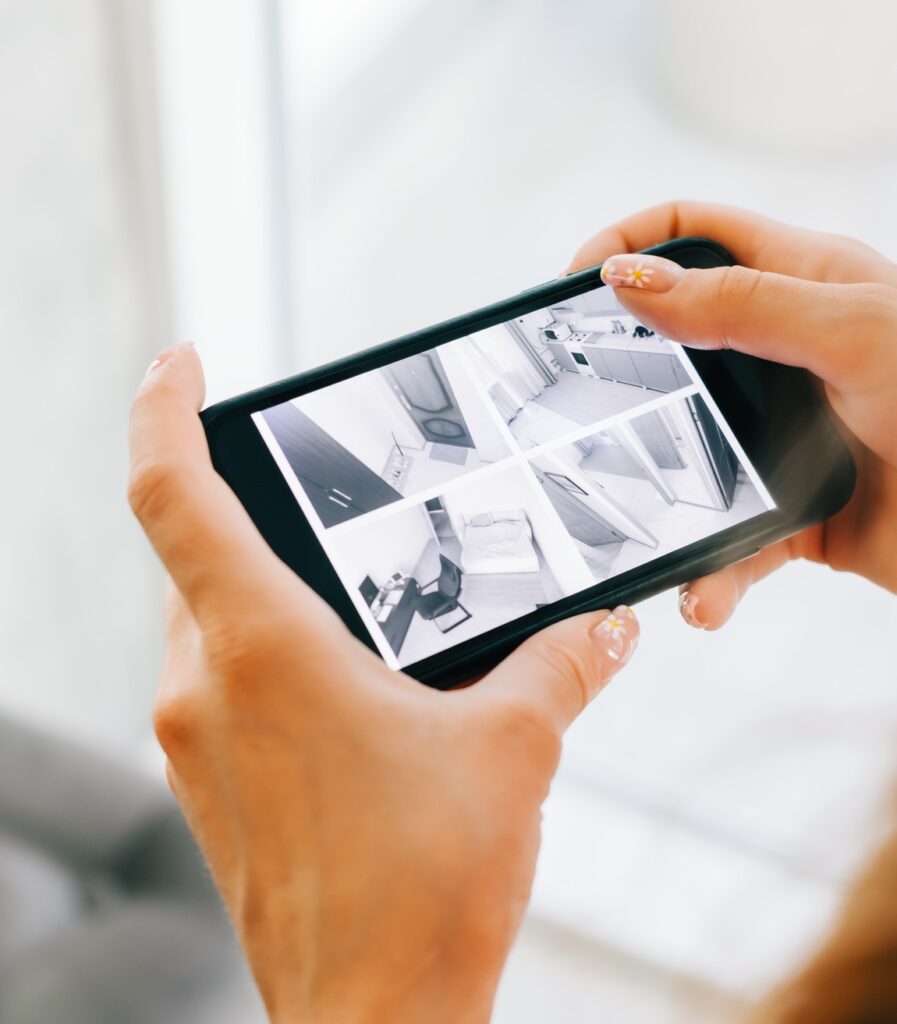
x,y
538,287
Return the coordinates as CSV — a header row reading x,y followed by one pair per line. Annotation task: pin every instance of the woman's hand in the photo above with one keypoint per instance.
x,y
819,301
374,840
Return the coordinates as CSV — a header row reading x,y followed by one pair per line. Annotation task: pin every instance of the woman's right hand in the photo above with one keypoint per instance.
x,y
824,302
373,839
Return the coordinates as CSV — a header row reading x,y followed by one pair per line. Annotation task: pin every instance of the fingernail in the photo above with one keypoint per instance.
x,y
616,635
651,273
688,602
165,355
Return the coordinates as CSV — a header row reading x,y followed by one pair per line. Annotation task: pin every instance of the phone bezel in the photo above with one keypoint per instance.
x,y
776,412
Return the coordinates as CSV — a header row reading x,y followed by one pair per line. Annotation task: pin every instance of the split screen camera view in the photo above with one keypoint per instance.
x,y
461,488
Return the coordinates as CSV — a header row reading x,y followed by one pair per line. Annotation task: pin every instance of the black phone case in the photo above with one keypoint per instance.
x,y
457,665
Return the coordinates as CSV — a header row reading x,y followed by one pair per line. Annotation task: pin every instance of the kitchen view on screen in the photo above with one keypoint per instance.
x,y
461,488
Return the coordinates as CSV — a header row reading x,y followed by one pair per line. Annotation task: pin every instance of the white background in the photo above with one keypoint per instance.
x,y
414,160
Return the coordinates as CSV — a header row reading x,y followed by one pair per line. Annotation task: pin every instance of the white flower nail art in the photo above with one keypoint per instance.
x,y
615,638
613,626
638,275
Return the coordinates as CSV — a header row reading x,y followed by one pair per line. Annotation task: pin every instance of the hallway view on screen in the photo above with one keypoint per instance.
x,y
460,488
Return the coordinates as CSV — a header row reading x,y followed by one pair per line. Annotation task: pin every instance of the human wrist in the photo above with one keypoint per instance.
x,y
346,975
418,1009
353,1001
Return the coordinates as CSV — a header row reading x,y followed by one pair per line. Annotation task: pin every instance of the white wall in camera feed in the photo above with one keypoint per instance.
x,y
479,375
629,440
394,544
500,363
490,441
483,352
363,414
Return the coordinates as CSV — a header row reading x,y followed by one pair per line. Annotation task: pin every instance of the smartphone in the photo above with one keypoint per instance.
x,y
454,491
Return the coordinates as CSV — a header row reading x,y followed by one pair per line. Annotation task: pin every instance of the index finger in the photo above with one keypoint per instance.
x,y
199,529
753,241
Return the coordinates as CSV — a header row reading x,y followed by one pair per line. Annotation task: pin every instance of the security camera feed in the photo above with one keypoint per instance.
x,y
463,487
555,371
386,435
646,486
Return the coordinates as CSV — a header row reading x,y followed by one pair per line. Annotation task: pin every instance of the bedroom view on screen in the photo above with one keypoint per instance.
x,y
461,488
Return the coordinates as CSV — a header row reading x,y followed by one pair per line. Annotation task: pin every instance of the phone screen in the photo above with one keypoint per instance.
x,y
460,488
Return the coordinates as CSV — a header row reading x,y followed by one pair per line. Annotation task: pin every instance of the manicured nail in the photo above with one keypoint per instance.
x,y
652,273
688,602
165,355
617,634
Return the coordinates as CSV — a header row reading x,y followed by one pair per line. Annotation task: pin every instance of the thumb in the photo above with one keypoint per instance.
x,y
561,669
832,330
206,539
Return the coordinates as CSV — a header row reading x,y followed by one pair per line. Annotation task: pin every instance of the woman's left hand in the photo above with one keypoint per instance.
x,y
803,298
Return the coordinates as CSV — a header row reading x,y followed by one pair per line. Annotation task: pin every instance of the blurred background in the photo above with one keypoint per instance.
x,y
284,182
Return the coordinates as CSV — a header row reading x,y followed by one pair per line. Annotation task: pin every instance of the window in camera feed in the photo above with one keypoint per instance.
x,y
461,488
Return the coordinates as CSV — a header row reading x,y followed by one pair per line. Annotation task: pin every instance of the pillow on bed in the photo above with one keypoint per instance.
x,y
514,515
479,519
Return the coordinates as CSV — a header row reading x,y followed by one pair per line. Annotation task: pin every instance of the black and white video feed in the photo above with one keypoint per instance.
x,y
572,365
386,435
647,486
459,489
458,564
